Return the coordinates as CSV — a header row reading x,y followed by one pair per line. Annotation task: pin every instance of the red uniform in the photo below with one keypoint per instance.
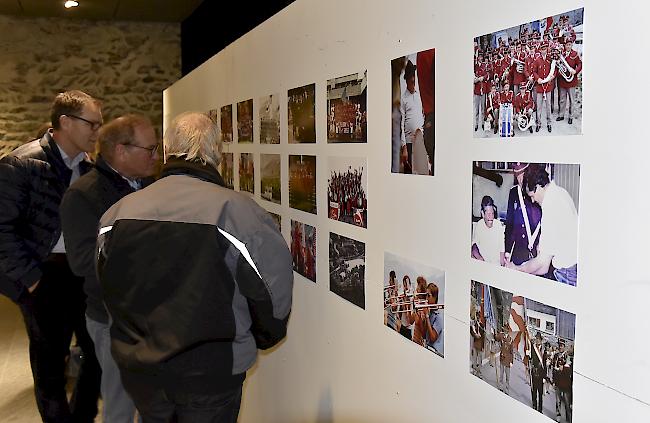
x,y
542,69
494,100
523,101
518,74
506,97
481,70
573,60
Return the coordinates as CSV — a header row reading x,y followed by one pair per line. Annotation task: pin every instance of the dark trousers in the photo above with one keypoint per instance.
x,y
52,313
430,137
537,393
160,404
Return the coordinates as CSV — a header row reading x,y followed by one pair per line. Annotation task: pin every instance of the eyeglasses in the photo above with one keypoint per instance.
x,y
152,150
93,125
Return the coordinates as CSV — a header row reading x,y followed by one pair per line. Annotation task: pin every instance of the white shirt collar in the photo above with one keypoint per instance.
x,y
71,163
134,183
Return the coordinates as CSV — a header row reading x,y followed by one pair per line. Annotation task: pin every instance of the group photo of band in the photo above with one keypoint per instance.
x,y
528,79
414,296
303,249
247,173
525,217
347,266
347,187
302,114
347,116
523,348
302,183
245,121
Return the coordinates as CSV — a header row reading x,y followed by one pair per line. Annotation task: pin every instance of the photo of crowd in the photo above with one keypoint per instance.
x,y
302,183
245,121
347,186
347,258
528,78
270,119
246,173
227,169
525,217
302,114
226,123
270,183
524,348
303,249
414,296
413,113
346,109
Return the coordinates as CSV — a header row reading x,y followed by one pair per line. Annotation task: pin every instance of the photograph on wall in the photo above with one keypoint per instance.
x,y
347,186
270,168
213,114
346,109
277,219
246,173
302,114
302,183
523,348
525,217
413,113
227,169
303,249
226,123
245,121
270,119
414,302
528,79
347,258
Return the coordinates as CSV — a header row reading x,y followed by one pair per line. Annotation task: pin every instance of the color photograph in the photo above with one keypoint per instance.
x,y
226,124
246,173
347,258
347,186
245,121
414,302
277,219
227,169
302,114
213,114
270,119
523,348
302,183
528,79
413,113
303,249
270,168
525,217
346,109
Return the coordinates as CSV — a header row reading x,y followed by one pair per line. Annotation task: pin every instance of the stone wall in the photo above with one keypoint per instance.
x,y
127,65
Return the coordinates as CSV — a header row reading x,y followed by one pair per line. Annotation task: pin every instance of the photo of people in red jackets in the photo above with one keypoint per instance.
x,y
528,79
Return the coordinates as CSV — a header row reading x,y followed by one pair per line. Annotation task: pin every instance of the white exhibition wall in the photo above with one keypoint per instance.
x,y
339,363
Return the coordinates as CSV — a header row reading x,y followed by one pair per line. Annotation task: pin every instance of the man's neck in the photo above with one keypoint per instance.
x,y
70,150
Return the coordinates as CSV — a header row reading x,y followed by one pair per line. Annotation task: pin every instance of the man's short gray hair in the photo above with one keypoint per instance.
x,y
193,136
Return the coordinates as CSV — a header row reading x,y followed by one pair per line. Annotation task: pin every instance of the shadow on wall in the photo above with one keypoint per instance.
x,y
325,407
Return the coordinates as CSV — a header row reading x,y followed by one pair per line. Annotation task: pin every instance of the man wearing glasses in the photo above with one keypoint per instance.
x,y
128,157
34,270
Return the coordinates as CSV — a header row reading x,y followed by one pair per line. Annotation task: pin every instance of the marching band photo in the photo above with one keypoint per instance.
x,y
347,187
528,79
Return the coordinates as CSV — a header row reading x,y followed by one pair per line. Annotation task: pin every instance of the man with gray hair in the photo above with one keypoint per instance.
x,y
196,278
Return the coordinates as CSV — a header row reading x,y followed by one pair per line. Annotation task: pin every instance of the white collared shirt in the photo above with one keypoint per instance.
x,y
412,116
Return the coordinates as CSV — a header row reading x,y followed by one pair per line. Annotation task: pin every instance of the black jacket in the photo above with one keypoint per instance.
x,y
83,205
33,179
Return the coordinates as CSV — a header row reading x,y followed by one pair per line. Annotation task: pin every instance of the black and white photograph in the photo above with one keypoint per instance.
x,y
414,302
523,348
347,188
347,259
347,117
528,78
525,217
246,173
413,122
245,121
227,169
302,183
226,124
270,177
302,114
269,113
303,249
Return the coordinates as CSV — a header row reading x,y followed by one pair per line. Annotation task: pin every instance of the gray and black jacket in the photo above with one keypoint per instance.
x,y
196,278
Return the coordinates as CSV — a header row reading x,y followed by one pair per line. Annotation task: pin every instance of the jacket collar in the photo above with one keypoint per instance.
x,y
176,166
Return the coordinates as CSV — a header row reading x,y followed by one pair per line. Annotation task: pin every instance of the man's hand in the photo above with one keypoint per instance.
x,y
33,287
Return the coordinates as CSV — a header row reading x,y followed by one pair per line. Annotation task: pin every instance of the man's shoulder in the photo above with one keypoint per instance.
x,y
30,150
